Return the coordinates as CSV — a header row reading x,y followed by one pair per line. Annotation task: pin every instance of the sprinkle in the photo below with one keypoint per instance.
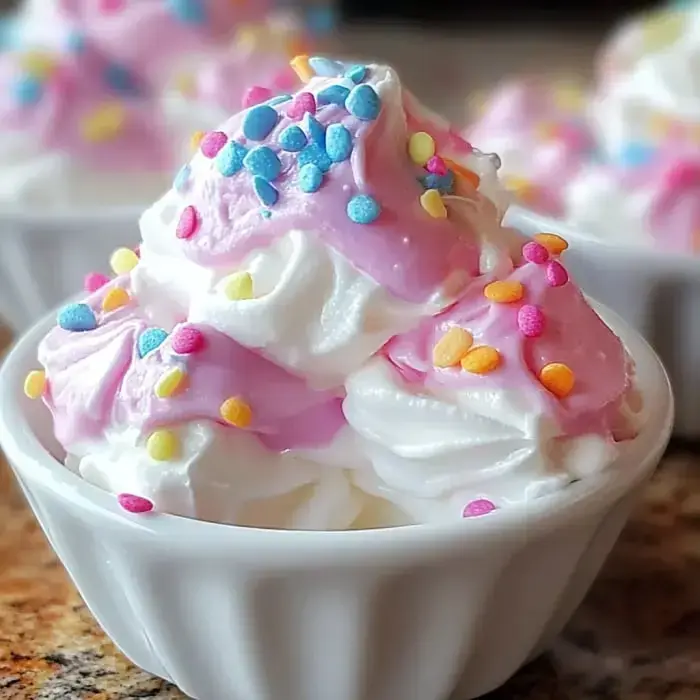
x,y
151,339
238,286
134,504
121,79
504,291
436,165
104,123
123,261
188,11
265,213
212,143
556,245
481,360
356,73
163,445
35,383
535,253
338,143
444,184
364,103
481,506
170,383
333,95
469,175
94,281
263,161
182,178
421,147
313,153
235,411
557,276
531,321
558,378
256,95
452,347
187,340
77,318
39,65
310,178
304,103
230,158
266,193
115,299
292,139
432,202
27,90
188,223
635,155
259,122
363,209
301,67
325,67
316,130
196,139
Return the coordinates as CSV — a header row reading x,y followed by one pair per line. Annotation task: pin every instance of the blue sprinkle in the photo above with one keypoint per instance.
x,y
316,130
356,73
150,339
77,318
338,143
444,184
229,160
292,139
263,161
265,213
280,99
364,103
333,95
316,155
267,194
182,178
120,79
363,209
188,11
310,178
634,155
259,122
325,67
76,42
28,90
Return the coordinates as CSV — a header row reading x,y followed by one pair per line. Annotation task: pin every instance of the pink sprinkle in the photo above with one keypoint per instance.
x,y
304,102
531,321
557,276
213,142
535,253
481,506
683,175
134,504
187,340
108,6
94,281
437,166
187,225
256,95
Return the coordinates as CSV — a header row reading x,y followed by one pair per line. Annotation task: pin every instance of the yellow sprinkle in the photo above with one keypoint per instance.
x,y
249,37
504,291
235,411
481,360
196,139
662,29
556,245
452,347
558,378
569,98
185,83
115,299
238,286
421,147
123,261
432,202
301,67
163,445
660,126
39,64
35,383
170,383
104,123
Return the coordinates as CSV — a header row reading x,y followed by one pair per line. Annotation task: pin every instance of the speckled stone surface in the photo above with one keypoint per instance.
x,y
636,637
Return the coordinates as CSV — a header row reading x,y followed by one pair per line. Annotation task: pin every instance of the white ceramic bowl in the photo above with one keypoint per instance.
x,y
656,292
409,613
45,257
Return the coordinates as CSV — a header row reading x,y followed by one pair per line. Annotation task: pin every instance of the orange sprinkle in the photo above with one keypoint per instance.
x,y
556,245
452,347
504,292
481,360
301,67
236,411
469,175
557,378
